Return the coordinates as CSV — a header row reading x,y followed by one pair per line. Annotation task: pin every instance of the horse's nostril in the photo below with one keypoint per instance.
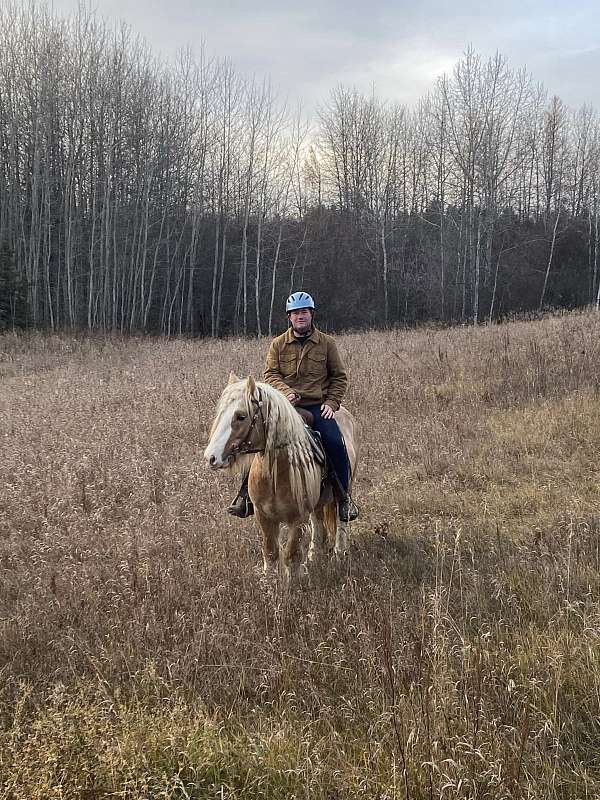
x,y
212,461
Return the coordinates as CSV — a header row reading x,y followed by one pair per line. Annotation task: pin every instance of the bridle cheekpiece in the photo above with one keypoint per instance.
x,y
245,446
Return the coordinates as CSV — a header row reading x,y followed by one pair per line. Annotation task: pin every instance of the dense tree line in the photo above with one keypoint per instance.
x,y
183,198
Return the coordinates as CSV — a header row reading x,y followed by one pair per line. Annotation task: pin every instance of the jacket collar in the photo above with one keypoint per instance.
x,y
315,336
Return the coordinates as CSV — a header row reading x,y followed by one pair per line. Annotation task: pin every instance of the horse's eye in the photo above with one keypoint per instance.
x,y
241,417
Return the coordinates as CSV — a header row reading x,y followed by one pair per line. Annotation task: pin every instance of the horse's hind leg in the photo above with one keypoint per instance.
x,y
341,540
270,542
336,532
318,538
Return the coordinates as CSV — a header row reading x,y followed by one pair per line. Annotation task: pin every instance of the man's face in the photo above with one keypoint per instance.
x,y
301,320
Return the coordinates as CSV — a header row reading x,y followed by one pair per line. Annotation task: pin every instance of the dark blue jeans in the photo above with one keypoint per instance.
x,y
331,436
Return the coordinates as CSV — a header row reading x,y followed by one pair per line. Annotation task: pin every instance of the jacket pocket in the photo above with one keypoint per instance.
x,y
287,365
316,364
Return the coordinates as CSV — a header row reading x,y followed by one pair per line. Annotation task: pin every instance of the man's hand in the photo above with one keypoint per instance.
x,y
293,398
327,412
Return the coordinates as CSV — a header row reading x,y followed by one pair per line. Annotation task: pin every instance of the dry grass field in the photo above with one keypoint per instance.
x,y
455,655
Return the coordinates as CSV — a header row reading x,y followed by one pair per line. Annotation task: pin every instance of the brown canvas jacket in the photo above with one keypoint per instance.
x,y
315,371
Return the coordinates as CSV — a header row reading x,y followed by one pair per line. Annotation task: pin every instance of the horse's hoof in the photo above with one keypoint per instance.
x,y
297,573
269,572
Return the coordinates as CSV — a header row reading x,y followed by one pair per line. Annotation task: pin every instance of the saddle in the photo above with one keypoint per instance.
x,y
314,436
307,416
331,488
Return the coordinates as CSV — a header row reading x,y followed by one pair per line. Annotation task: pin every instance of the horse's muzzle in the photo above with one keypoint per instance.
x,y
219,463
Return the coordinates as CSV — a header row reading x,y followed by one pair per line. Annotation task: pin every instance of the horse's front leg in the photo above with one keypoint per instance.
x,y
293,553
270,542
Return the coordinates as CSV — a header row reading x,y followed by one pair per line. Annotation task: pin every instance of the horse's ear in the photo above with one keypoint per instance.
x,y
233,378
251,385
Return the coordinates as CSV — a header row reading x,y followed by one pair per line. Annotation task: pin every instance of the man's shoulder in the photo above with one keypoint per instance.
x,y
324,338
280,340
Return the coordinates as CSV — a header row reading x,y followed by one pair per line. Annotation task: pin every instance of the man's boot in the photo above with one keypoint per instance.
x,y
242,505
347,510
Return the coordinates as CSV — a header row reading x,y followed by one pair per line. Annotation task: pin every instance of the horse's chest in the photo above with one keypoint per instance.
x,y
274,499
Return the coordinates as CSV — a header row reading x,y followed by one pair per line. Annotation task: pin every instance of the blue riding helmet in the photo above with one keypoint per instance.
x,y
299,300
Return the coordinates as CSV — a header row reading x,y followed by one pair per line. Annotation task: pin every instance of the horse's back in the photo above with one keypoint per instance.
x,y
350,431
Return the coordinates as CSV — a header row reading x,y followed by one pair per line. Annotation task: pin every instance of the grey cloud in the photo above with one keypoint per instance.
x,y
399,47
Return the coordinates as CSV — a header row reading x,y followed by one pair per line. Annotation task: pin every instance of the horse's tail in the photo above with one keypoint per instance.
x,y
330,520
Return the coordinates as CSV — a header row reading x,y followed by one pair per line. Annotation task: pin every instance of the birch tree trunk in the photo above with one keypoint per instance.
x,y
549,264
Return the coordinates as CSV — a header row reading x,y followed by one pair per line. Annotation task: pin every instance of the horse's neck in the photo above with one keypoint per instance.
x,y
273,462
287,480
277,465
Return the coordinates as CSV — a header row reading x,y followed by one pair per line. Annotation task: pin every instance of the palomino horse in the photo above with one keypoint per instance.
x,y
256,428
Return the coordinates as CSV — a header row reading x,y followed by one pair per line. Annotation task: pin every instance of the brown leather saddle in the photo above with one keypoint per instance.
x,y
315,437
307,416
330,485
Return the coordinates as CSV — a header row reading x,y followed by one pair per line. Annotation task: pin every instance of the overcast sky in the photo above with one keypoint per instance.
x,y
398,47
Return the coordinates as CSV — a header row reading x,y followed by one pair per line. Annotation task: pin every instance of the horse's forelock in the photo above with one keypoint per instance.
x,y
232,394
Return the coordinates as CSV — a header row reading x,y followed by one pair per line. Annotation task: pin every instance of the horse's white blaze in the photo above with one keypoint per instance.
x,y
214,450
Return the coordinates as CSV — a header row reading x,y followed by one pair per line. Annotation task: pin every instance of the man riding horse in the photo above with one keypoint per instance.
x,y
305,365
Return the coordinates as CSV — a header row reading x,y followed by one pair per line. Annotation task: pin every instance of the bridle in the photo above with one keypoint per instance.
x,y
245,447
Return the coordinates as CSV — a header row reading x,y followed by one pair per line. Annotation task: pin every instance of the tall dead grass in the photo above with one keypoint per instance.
x,y
456,655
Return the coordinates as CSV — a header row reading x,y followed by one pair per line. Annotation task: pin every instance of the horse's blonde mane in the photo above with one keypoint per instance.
x,y
285,430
